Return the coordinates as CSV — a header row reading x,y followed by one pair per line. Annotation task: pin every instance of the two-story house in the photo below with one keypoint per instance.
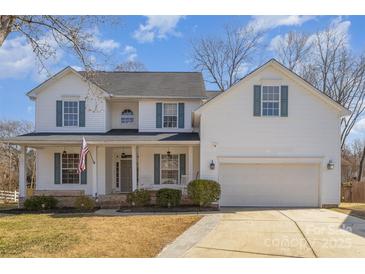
x,y
270,140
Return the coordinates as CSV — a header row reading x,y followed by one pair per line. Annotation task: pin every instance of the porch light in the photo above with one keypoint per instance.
x,y
330,165
168,152
64,153
212,165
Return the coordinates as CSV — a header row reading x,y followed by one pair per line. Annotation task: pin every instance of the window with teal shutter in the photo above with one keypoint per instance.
x,y
257,100
181,115
284,101
158,115
81,113
156,169
58,113
57,168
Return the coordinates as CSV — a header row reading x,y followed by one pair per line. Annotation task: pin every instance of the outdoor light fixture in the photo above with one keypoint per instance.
x,y
64,152
212,165
168,152
330,165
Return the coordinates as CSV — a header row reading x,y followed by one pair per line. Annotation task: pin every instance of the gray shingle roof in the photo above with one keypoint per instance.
x,y
151,84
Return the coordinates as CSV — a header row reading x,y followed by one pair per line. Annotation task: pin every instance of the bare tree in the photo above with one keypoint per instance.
x,y
131,66
292,49
9,154
361,164
224,59
67,32
332,68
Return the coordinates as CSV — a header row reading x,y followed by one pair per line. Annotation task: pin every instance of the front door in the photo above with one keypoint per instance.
x,y
126,175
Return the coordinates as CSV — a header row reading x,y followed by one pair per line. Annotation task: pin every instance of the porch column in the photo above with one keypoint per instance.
x,y
190,163
134,167
22,173
94,186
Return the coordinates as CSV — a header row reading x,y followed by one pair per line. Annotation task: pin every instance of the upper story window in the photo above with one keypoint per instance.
x,y
270,101
69,166
170,115
70,113
127,117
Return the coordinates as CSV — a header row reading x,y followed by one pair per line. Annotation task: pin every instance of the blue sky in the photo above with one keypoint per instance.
x,y
162,43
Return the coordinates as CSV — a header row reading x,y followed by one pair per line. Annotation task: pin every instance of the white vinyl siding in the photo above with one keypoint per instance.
x,y
311,130
70,87
147,115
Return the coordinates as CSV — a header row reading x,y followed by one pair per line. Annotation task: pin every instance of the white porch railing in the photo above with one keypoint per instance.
x,y
9,196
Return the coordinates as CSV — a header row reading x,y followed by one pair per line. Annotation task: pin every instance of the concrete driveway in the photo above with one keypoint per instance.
x,y
272,233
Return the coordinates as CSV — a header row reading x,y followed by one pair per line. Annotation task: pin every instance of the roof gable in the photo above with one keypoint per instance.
x,y
35,91
288,73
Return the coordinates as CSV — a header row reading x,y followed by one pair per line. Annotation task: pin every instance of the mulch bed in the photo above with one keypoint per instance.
x,y
64,210
165,209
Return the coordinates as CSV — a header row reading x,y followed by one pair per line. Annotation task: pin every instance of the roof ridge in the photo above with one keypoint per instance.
x,y
115,71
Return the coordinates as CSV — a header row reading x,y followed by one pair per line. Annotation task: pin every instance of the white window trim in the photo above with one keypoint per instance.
x,y
63,113
262,102
178,170
177,114
62,174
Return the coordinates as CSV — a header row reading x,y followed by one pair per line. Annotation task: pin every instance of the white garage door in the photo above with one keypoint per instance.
x,y
271,185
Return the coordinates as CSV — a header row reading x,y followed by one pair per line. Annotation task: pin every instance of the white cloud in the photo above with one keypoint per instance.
x,y
16,58
157,26
105,46
130,53
18,61
359,127
266,22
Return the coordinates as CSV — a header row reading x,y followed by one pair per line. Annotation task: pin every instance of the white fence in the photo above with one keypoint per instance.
x,y
9,196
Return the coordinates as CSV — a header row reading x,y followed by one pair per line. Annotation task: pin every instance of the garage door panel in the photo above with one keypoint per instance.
x,y
269,184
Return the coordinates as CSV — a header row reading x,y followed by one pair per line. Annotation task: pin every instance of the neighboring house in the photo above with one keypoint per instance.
x,y
270,140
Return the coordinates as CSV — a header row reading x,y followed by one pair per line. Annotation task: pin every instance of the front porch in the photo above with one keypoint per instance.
x,y
113,170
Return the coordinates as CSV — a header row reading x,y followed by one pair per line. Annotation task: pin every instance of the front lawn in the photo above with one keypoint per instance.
x,y
45,235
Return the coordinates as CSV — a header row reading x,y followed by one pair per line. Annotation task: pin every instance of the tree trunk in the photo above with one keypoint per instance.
x,y
6,23
361,165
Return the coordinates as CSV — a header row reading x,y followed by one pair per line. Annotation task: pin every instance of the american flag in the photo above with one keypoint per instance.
x,y
83,153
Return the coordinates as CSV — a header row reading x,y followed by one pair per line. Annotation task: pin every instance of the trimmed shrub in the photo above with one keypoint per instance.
x,y
36,203
168,197
84,203
139,197
204,192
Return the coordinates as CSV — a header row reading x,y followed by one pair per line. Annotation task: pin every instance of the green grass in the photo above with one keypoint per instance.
x,y
45,235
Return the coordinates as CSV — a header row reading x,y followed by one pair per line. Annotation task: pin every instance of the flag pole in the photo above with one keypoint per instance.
x,y
92,158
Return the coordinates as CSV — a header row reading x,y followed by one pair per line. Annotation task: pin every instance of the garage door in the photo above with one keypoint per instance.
x,y
271,185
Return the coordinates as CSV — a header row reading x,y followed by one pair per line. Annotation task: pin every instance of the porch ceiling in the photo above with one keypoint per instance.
x,y
114,136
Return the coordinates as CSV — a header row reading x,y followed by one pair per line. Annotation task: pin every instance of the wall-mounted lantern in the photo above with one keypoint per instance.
x,y
330,165
212,165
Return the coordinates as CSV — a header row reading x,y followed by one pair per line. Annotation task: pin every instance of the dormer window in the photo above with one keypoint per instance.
x,y
127,117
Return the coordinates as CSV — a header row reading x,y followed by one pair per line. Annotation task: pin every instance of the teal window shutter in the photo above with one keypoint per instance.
x,y
81,113
158,115
284,101
256,100
156,169
59,113
57,168
182,165
83,175
181,115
